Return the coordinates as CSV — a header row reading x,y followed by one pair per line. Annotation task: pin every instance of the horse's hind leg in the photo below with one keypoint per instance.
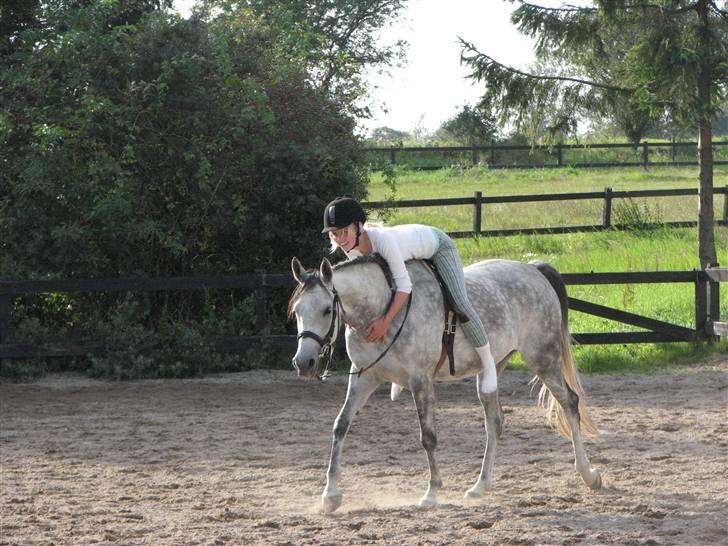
x,y
423,395
359,390
549,371
501,414
491,405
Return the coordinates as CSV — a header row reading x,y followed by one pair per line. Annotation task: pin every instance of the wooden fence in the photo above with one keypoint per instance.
x,y
479,201
560,155
706,327
259,283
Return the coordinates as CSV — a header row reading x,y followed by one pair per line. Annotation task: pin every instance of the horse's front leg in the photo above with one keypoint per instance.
x,y
493,425
359,390
423,395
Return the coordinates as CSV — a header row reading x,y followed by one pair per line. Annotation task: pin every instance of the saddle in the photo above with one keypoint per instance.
x,y
452,315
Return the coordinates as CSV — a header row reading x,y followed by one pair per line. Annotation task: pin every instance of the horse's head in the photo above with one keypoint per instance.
x,y
315,305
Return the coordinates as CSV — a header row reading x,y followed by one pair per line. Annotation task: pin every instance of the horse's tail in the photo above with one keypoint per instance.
x,y
568,366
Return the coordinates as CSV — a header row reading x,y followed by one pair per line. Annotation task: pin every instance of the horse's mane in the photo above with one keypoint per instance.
x,y
315,278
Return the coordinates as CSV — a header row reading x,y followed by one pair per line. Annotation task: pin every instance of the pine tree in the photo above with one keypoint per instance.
x,y
677,62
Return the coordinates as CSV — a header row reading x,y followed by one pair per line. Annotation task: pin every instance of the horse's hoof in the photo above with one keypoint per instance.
x,y
427,502
476,492
473,494
330,503
596,482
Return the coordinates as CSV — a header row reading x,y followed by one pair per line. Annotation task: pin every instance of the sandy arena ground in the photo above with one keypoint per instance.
x,y
241,459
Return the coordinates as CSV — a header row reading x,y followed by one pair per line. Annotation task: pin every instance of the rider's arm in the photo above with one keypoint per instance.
x,y
400,298
387,247
377,330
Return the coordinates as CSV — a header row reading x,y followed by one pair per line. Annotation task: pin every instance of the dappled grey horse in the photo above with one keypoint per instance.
x,y
523,308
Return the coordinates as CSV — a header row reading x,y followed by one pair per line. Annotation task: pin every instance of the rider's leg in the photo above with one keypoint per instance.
x,y
489,383
447,261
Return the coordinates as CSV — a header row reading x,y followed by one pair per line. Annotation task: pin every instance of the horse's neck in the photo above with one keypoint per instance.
x,y
364,293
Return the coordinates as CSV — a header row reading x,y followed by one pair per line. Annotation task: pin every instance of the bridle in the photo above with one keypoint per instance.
x,y
327,342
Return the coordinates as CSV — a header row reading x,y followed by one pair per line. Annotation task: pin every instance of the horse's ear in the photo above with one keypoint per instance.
x,y
326,271
299,273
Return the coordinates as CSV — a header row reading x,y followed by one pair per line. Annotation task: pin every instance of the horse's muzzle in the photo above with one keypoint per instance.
x,y
306,367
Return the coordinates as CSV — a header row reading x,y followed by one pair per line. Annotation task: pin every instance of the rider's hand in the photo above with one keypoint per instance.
x,y
377,329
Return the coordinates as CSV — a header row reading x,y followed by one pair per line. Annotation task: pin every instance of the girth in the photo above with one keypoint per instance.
x,y
452,315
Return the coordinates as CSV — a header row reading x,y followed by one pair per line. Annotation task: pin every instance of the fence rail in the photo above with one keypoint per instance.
x,y
707,308
707,323
479,201
497,156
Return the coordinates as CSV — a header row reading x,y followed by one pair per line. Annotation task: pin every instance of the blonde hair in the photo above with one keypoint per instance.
x,y
334,247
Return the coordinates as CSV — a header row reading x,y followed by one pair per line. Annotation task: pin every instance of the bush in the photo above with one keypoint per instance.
x,y
158,147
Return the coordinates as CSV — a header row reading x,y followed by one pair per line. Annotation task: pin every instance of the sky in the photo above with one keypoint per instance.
x,y
432,85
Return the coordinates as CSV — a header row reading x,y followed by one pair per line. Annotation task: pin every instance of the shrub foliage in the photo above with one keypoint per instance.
x,y
135,143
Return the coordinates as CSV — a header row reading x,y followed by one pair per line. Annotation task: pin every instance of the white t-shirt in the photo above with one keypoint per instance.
x,y
398,244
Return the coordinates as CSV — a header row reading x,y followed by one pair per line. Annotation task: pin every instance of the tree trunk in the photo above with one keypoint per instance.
x,y
706,236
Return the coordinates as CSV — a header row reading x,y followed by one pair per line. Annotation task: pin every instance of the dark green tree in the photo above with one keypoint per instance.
x,y
134,143
472,125
386,136
678,63
16,16
163,147
333,40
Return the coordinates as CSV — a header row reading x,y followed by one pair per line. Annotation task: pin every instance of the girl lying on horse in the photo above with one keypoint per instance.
x,y
345,223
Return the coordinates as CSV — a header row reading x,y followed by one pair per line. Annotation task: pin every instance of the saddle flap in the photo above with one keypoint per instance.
x,y
452,315
450,306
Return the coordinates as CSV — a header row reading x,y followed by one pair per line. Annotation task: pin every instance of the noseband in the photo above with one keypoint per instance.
x,y
327,342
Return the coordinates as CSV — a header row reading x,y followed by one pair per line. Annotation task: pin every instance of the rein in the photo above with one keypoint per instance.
x,y
327,342
381,356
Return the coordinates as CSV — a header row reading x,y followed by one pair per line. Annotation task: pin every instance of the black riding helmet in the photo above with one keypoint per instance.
x,y
341,212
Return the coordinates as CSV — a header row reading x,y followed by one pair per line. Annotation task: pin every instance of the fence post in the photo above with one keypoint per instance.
x,y
560,155
6,313
701,303
607,212
725,206
477,212
492,154
260,293
393,155
673,149
714,304
645,153
475,154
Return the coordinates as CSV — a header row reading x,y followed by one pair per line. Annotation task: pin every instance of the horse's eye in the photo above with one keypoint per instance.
x,y
327,311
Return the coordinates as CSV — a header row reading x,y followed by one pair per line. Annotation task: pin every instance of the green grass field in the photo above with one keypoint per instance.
x,y
464,182
660,249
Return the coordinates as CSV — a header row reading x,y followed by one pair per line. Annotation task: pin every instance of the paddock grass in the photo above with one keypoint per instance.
x,y
656,249
464,182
